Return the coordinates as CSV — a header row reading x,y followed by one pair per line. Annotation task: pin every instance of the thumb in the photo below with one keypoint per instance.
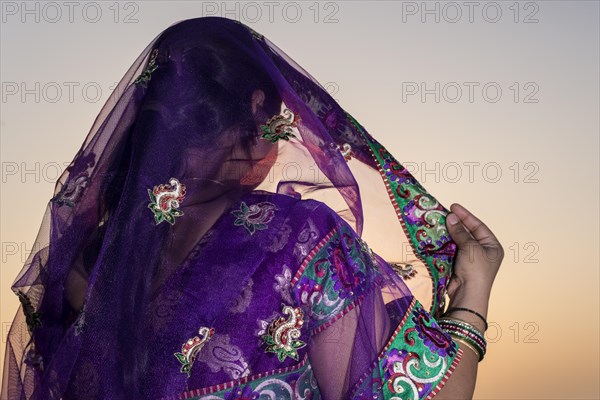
x,y
457,230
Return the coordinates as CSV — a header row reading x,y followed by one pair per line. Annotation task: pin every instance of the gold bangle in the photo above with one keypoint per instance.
x,y
460,340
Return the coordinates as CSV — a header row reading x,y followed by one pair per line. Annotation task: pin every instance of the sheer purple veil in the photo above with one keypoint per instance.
x,y
188,115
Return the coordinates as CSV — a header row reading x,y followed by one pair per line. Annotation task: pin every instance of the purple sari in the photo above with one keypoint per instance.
x,y
224,232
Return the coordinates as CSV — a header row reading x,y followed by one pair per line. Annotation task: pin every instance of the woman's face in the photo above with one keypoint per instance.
x,y
239,164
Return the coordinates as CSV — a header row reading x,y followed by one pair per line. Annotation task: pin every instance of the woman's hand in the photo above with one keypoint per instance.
x,y
479,252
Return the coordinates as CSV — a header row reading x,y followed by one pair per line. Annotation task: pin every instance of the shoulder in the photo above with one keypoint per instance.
x,y
337,270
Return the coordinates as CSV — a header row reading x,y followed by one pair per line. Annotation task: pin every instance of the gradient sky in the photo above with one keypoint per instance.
x,y
524,161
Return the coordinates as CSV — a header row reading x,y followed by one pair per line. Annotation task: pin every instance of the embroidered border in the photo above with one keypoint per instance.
x,y
191,394
309,257
404,325
338,269
439,269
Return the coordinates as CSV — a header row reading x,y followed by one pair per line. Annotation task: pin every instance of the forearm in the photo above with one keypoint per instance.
x,y
461,384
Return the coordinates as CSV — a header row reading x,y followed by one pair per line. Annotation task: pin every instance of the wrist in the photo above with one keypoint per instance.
x,y
473,297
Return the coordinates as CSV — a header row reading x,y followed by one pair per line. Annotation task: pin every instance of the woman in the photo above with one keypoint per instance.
x,y
228,231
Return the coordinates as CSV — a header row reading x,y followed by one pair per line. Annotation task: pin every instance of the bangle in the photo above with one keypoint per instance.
x,y
470,325
466,332
460,340
469,310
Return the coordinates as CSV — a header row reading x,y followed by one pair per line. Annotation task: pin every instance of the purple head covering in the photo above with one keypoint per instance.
x,y
221,202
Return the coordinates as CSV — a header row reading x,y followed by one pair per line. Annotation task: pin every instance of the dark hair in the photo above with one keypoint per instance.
x,y
222,79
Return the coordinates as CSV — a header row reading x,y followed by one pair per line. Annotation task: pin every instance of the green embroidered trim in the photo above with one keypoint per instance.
x,y
428,233
32,317
282,384
416,362
335,278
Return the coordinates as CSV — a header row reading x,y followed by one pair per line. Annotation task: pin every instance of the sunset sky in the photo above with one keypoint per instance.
x,y
494,106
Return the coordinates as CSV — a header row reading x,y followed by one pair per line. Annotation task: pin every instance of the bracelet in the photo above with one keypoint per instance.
x,y
468,324
469,310
460,340
467,328
466,332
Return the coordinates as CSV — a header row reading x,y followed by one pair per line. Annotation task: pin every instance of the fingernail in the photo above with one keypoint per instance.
x,y
452,219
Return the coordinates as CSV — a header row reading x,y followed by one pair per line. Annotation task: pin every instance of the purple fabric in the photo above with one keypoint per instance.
x,y
113,294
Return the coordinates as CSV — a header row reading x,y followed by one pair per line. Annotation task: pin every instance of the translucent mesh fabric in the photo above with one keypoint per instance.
x,y
195,106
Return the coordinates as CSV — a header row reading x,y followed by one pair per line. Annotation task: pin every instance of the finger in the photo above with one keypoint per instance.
x,y
478,229
459,233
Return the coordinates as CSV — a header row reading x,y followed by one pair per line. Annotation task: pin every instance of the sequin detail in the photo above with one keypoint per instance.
x,y
405,270
346,151
254,217
280,126
282,334
190,349
145,76
165,200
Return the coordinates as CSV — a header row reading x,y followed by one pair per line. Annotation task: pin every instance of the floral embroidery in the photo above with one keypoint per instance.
x,y
254,217
165,200
71,191
346,151
32,317
283,284
190,349
280,126
151,67
282,335
405,270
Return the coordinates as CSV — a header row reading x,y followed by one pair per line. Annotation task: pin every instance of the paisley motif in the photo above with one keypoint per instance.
x,y
282,337
280,126
191,347
165,200
222,355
